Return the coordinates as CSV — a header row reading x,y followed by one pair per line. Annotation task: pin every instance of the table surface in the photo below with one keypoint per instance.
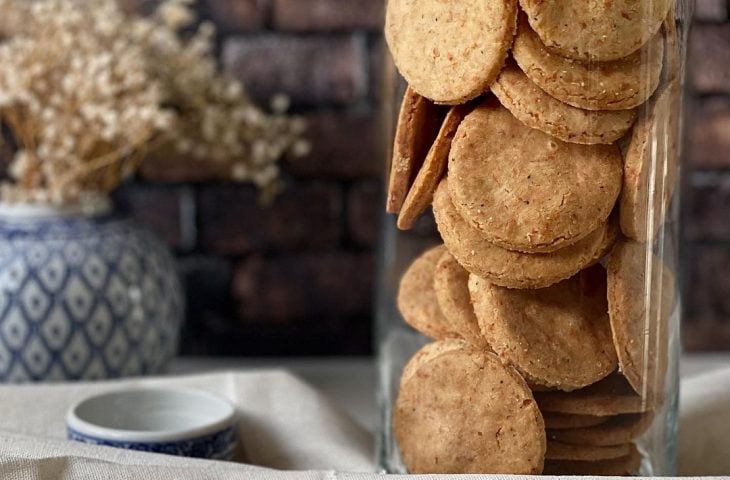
x,y
350,382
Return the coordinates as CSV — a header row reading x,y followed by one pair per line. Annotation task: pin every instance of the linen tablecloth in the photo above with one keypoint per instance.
x,y
288,429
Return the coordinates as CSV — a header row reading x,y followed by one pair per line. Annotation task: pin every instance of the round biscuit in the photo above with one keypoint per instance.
x,y
417,299
641,332
672,48
586,453
451,283
450,51
651,167
463,411
616,85
595,30
558,336
525,190
420,195
429,352
617,430
616,467
560,421
512,269
536,109
611,396
418,123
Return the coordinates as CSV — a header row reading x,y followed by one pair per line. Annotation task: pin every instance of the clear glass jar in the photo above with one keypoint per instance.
x,y
531,255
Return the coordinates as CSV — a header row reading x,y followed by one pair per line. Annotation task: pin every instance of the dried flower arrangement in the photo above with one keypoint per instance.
x,y
86,91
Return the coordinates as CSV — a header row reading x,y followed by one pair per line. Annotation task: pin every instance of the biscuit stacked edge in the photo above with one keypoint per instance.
x,y
536,148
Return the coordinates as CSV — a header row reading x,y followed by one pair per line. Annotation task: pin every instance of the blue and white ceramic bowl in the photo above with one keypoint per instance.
x,y
85,294
187,423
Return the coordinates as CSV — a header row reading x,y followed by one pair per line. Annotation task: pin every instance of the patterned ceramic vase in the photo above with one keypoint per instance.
x,y
84,294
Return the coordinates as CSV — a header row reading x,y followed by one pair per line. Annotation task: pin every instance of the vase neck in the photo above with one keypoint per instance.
x,y
87,206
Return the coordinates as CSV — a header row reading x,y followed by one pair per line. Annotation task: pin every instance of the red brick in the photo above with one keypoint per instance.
x,y
706,324
291,289
706,336
319,15
711,10
207,281
225,336
364,207
709,198
6,157
238,15
708,126
232,222
344,146
317,70
383,76
166,168
709,58
208,305
158,208
141,7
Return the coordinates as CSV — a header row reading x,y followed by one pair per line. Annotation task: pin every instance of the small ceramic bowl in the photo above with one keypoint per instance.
x,y
188,423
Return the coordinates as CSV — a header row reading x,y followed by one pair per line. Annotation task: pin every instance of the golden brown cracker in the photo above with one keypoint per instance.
x,y
616,467
673,44
561,421
586,453
512,269
525,190
651,167
418,123
429,352
617,430
431,172
536,109
450,52
611,396
641,299
417,298
558,336
451,283
465,412
616,85
591,30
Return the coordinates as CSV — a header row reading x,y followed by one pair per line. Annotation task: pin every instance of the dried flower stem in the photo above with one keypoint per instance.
x,y
87,90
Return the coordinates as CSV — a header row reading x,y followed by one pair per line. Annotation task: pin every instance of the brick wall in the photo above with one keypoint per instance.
x,y
296,277
706,251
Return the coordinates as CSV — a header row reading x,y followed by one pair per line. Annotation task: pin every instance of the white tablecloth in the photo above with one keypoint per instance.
x,y
286,425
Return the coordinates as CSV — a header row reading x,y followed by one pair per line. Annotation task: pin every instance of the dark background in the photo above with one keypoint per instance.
x,y
296,278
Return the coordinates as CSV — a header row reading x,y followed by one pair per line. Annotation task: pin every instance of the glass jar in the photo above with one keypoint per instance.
x,y
528,312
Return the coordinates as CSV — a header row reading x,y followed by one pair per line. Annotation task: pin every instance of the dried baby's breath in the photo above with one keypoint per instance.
x,y
77,99
216,120
86,90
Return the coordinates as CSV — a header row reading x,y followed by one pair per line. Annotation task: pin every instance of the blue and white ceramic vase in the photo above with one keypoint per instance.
x,y
85,294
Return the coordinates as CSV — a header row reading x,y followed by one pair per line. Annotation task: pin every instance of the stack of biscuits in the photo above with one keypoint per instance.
x,y
543,134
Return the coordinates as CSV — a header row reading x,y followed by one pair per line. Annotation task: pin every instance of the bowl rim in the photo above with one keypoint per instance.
x,y
86,428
